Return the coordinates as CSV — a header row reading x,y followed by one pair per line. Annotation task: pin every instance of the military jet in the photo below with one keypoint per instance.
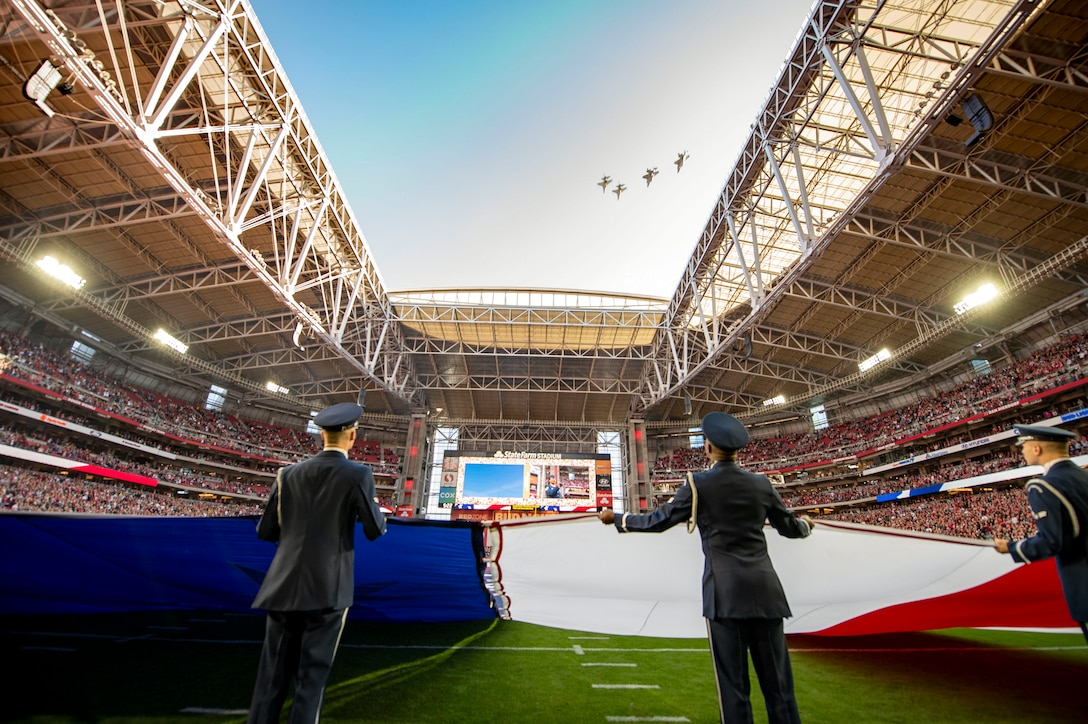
x,y
603,183
681,157
620,188
649,175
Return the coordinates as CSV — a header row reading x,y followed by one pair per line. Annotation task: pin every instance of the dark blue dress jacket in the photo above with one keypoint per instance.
x,y
1059,502
739,580
312,513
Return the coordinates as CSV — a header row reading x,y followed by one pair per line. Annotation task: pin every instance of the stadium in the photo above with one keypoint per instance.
x,y
891,276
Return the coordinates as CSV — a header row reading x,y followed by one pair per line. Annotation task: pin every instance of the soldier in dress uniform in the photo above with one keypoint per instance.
x,y
311,515
743,600
1059,503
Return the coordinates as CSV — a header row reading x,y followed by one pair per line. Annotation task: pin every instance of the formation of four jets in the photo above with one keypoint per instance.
x,y
649,176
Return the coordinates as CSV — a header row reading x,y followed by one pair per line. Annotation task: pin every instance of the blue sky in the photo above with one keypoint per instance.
x,y
469,136
494,480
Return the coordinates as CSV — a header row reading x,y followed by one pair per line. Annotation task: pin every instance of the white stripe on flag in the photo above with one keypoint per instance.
x,y
835,575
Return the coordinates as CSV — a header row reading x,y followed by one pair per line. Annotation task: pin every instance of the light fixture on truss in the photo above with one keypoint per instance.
x,y
42,82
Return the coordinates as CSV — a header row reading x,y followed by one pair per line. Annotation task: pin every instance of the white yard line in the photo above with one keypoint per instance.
x,y
64,649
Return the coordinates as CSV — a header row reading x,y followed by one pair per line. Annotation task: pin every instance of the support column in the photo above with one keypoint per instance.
x,y
638,493
411,486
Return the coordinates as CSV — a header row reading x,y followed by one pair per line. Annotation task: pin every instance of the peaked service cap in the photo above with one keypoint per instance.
x,y
725,431
1042,433
338,417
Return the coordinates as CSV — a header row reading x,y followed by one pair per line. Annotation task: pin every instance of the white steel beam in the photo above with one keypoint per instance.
x,y
879,148
221,44
818,98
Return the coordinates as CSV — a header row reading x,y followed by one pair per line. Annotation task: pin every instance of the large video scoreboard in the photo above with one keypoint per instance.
x,y
490,485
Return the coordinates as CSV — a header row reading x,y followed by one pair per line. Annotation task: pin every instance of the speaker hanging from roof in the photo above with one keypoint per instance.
x,y
980,116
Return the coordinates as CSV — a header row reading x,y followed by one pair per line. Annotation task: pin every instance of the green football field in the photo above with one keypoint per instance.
x,y
193,667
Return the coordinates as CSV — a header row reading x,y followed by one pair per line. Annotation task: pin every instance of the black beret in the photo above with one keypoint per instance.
x,y
724,431
338,417
1042,433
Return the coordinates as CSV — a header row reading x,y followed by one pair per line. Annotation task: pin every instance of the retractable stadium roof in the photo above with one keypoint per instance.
x,y
182,178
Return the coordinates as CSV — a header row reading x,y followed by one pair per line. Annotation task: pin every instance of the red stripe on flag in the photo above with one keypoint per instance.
x,y
1028,597
115,474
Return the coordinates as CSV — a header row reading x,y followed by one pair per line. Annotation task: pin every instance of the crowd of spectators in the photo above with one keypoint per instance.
x,y
107,458
256,442
980,515
840,493
679,462
992,462
1064,361
974,515
373,454
29,361
217,428
207,435
31,490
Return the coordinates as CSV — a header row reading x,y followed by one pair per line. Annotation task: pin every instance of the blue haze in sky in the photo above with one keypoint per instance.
x,y
469,136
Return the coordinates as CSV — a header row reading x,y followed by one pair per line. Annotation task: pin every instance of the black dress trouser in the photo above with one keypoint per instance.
x,y
731,639
298,646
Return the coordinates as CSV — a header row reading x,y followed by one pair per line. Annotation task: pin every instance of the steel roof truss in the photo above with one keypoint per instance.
x,y
51,136
803,237
1071,74
992,253
99,216
530,383
988,172
881,144
346,240
755,292
808,96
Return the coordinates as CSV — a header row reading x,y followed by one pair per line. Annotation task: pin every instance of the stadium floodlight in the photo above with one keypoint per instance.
x,y
170,341
54,268
776,400
982,295
41,83
866,365
273,387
